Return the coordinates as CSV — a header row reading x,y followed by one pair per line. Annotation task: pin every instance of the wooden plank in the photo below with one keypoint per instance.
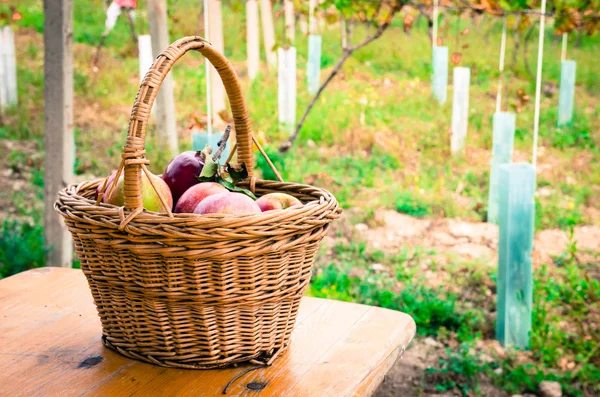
x,y
252,38
266,17
58,125
165,101
50,328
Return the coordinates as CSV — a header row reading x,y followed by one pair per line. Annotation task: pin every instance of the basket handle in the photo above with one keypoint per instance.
x,y
134,161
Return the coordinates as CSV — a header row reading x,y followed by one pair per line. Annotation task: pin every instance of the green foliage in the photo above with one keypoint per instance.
x,y
16,159
433,309
576,135
21,247
407,203
557,214
265,169
459,370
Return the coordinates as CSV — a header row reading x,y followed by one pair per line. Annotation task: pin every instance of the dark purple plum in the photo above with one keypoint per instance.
x,y
111,178
182,171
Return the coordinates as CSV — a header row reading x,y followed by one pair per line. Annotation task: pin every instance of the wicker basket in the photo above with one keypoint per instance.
x,y
190,291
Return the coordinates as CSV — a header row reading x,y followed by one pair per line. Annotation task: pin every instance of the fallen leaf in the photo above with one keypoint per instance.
x,y
456,57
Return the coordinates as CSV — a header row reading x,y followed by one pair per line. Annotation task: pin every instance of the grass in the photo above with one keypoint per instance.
x,y
434,309
21,247
407,203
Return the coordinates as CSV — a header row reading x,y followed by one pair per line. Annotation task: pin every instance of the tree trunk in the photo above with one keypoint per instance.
x,y
58,124
165,102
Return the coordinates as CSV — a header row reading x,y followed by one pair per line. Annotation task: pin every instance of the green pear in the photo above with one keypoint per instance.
x,y
150,198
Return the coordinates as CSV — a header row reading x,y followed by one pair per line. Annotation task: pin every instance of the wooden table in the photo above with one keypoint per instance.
x,y
50,346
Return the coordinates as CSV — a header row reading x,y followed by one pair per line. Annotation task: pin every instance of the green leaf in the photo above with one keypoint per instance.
x,y
206,178
232,187
238,173
210,168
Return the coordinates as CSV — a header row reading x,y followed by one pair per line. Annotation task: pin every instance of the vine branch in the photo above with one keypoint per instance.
x,y
347,52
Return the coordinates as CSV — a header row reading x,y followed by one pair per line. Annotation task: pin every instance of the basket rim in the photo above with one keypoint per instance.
x,y
324,206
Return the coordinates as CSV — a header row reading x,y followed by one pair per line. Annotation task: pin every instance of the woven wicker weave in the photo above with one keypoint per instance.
x,y
191,291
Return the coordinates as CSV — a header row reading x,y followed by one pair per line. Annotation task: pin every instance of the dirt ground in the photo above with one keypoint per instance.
x,y
407,377
450,237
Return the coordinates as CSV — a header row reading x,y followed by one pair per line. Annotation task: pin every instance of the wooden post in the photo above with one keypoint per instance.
x,y
266,17
343,34
10,63
563,50
515,243
215,36
3,74
502,150
165,102
538,84
58,125
145,54
287,88
290,22
501,67
434,32
252,39
207,72
303,24
460,109
439,80
3,87
312,19
566,95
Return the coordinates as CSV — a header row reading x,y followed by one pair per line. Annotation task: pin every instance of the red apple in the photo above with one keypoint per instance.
x,y
277,201
227,203
194,195
150,198
182,171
